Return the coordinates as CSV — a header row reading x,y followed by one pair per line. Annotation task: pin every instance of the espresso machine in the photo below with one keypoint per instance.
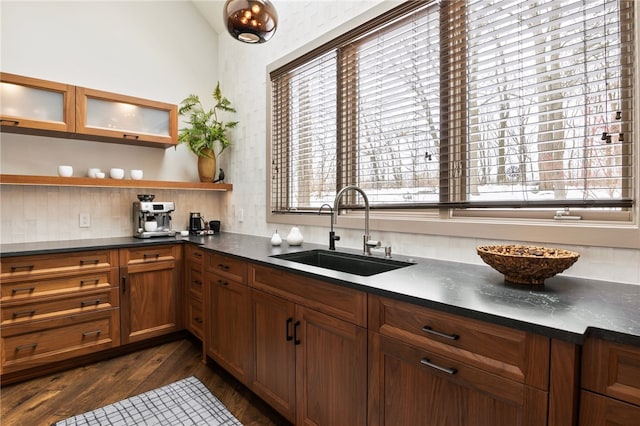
x,y
152,218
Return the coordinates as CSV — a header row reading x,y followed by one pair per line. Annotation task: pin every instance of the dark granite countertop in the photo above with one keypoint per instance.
x,y
565,307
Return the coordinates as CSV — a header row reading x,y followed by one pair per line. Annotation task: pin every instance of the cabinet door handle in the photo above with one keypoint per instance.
x,y
89,303
223,266
296,341
89,262
288,327
23,289
124,284
27,346
29,313
223,282
129,136
425,361
429,330
17,268
95,281
12,122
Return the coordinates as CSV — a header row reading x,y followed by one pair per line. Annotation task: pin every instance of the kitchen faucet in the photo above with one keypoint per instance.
x,y
367,243
332,235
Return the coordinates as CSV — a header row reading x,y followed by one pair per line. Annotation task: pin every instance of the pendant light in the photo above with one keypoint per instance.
x,y
251,21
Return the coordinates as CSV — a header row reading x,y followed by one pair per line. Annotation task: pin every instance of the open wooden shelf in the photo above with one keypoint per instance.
x,y
110,183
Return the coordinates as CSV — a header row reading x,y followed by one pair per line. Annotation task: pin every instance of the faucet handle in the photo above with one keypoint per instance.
x,y
373,243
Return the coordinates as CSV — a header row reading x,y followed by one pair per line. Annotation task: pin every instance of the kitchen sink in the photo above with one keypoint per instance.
x,y
344,262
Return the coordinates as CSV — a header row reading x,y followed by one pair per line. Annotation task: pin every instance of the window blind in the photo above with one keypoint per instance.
x,y
477,103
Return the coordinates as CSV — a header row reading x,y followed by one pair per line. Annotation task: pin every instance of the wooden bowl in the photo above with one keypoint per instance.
x,y
527,264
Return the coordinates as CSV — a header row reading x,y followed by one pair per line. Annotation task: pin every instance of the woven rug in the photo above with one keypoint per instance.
x,y
185,402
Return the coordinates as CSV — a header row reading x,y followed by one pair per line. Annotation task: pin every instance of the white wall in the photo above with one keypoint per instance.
x,y
140,48
155,50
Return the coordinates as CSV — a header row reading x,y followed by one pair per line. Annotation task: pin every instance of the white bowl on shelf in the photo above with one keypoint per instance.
x,y
65,171
93,172
116,173
100,175
136,174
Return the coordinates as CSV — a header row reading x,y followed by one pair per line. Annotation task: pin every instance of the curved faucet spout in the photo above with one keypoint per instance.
x,y
336,211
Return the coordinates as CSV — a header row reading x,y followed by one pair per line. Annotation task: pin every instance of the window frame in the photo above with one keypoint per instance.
x,y
486,223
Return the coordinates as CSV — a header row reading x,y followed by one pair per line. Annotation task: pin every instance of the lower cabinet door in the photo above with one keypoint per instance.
x,y
229,339
409,386
274,374
598,410
331,370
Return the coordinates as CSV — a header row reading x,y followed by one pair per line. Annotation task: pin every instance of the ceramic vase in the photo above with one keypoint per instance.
x,y
207,166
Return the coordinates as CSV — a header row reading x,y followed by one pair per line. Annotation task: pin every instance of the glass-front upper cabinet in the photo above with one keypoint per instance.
x,y
133,120
31,103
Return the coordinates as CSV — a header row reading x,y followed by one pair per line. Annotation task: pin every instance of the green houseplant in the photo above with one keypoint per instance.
x,y
205,131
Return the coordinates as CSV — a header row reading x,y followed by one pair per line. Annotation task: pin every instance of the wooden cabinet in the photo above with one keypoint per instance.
x,y
432,368
47,108
194,294
126,119
611,384
31,103
57,306
310,348
228,321
151,293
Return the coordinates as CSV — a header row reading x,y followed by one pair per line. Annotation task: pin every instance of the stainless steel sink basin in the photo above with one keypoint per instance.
x,y
344,262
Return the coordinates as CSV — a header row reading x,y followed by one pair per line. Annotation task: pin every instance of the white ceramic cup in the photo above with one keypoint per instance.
x,y
136,174
100,175
150,226
65,171
116,173
93,172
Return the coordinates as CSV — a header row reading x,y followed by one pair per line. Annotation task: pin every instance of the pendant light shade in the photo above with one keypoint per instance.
x,y
251,21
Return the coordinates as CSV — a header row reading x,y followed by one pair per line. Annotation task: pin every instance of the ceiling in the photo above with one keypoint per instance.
x,y
211,10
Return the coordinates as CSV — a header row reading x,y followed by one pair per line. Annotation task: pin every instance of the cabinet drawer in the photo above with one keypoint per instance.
x,y
19,312
514,354
598,410
30,289
340,302
227,266
195,282
42,342
195,318
612,369
21,267
142,255
194,255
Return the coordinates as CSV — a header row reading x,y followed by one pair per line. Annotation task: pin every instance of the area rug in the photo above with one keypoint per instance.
x,y
182,403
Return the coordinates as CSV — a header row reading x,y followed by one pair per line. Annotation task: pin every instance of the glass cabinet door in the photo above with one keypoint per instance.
x,y
30,103
134,120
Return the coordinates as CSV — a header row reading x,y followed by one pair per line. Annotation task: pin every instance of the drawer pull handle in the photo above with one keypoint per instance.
x,y
296,341
197,282
95,281
155,255
12,122
17,268
223,266
89,262
425,361
288,326
30,313
197,254
89,303
222,282
91,333
24,289
28,346
198,320
429,330
128,136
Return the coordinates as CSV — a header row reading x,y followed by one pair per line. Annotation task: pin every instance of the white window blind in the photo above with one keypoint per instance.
x,y
477,103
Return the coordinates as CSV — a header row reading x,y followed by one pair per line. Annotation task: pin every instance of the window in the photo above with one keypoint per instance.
x,y
462,105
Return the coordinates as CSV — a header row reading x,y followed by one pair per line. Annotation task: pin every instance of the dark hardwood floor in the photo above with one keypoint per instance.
x,y
48,399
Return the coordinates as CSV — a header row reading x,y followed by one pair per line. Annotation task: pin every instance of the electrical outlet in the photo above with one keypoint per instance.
x,y
241,215
85,220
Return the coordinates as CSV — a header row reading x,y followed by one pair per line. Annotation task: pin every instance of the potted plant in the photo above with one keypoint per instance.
x,y
206,132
